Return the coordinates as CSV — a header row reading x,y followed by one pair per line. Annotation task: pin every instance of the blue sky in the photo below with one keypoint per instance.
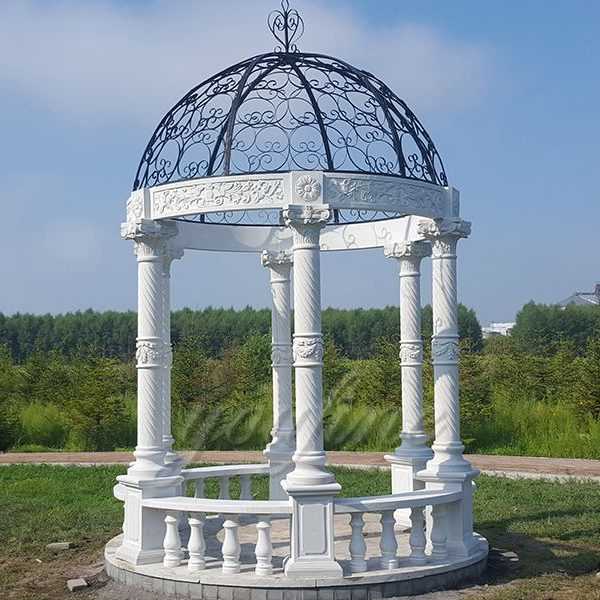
x,y
508,90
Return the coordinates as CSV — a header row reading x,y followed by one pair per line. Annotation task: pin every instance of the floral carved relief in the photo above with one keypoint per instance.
x,y
444,350
308,349
308,188
219,194
150,353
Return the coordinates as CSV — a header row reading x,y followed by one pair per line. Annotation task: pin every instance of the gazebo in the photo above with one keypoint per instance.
x,y
286,155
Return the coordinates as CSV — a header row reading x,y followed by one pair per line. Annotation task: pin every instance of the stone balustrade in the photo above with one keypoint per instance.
x,y
186,545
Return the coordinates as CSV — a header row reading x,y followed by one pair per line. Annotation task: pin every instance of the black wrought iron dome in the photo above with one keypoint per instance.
x,y
289,110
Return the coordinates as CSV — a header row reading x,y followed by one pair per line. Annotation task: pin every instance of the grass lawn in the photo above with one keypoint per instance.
x,y
554,529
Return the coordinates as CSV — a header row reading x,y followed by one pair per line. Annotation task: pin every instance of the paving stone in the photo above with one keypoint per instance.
x,y
359,593
75,585
274,594
210,592
258,594
58,546
375,592
342,594
169,587
182,590
224,593
327,594
241,594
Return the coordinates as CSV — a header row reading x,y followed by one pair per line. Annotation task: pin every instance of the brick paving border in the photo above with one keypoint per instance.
x,y
515,466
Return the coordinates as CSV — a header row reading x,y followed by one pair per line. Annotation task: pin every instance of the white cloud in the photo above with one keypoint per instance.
x,y
104,61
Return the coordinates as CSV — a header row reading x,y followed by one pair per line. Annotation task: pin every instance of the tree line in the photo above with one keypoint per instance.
x,y
112,334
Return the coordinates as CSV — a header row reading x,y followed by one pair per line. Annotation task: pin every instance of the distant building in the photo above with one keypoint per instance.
x,y
583,298
494,329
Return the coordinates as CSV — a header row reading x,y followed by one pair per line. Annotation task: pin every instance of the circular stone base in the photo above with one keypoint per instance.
x,y
212,584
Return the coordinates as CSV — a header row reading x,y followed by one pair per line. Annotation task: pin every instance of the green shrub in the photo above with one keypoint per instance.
x,y
43,424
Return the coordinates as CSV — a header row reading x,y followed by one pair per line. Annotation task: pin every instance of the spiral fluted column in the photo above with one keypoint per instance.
x,y
152,356
150,476
309,459
447,447
311,487
413,452
172,459
280,449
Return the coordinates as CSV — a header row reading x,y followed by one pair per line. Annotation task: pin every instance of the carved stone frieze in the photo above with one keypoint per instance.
x,y
391,194
135,206
226,195
309,349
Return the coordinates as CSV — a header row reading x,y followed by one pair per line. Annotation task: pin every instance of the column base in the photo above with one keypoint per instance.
x,y
149,464
309,471
312,539
448,461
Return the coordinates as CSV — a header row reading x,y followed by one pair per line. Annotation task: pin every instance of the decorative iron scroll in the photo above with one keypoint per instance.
x,y
287,26
289,111
272,217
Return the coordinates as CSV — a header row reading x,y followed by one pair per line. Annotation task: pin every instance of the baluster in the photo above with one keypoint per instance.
x,y
199,493
264,547
231,546
417,536
224,488
245,487
172,542
439,551
358,547
196,543
388,544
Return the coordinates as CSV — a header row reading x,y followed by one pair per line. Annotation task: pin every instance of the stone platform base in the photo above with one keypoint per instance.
x,y
212,584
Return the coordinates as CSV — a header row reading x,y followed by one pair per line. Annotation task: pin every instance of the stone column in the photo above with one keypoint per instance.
x,y
151,247
280,450
448,467
311,487
148,476
173,460
413,452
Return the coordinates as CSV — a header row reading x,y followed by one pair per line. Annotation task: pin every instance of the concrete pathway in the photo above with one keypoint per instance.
x,y
510,466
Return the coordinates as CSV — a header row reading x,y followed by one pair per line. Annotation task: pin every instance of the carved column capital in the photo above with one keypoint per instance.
x,y
408,255
152,238
147,229
272,259
300,214
439,228
444,234
399,250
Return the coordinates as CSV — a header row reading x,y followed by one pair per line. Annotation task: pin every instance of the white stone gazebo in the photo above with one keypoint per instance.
x,y
287,155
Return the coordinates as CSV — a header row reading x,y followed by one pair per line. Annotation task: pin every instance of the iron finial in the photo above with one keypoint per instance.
x,y
287,26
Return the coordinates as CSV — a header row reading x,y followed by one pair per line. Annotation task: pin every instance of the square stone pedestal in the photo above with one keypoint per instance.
x,y
144,528
312,536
